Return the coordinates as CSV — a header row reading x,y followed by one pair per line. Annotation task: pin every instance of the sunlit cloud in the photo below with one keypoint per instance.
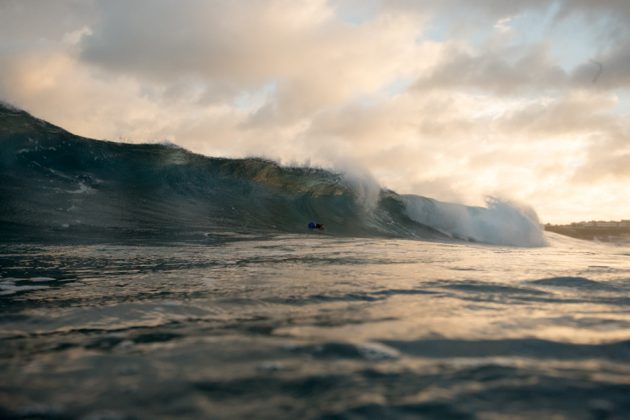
x,y
503,101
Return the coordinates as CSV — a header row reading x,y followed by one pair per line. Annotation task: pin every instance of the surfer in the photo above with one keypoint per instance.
x,y
313,225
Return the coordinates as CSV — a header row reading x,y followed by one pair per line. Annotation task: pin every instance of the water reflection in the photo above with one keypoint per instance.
x,y
314,326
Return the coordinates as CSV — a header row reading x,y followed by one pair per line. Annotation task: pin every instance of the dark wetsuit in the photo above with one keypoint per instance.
x,y
313,225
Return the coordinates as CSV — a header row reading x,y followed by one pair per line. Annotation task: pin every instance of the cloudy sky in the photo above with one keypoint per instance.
x,y
453,99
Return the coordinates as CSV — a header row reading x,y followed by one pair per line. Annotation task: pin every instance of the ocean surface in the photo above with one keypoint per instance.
x,y
315,326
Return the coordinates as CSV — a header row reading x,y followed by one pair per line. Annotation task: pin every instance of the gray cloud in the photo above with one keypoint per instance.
x,y
494,9
509,70
609,71
29,23
620,9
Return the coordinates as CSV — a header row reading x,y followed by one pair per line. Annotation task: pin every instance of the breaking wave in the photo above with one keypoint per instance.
x,y
55,184
502,222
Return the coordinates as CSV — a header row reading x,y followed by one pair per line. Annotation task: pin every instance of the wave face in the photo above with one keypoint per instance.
x,y
56,185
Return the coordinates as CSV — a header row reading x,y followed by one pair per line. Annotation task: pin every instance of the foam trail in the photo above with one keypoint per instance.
x,y
502,222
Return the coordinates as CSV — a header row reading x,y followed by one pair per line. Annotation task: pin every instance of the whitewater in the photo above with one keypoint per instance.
x,y
144,281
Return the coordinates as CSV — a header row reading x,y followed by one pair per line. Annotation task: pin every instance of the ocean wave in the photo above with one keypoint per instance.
x,y
56,184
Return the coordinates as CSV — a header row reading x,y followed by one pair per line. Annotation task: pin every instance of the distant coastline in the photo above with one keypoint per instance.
x,y
608,231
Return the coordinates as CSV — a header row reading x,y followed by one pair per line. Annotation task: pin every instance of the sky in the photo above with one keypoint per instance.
x,y
457,100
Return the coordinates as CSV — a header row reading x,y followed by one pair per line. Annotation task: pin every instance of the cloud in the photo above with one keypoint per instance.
x,y
33,23
508,70
493,9
574,113
620,9
477,109
230,47
610,70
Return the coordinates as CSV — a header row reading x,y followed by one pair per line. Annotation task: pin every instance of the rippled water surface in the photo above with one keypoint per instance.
x,y
314,326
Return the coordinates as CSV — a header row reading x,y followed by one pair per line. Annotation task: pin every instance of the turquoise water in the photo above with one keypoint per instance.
x,y
314,326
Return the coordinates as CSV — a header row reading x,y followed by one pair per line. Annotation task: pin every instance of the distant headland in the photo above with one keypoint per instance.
x,y
594,230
